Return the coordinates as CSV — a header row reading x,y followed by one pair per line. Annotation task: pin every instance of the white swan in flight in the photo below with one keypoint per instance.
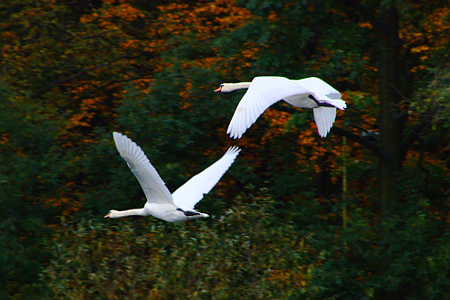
x,y
175,207
264,91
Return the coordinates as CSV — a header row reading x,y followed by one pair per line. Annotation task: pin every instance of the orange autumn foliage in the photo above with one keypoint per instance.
x,y
432,35
95,57
118,43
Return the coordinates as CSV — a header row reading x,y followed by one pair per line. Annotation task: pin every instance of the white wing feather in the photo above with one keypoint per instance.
x,y
317,84
262,93
154,187
324,118
190,193
325,93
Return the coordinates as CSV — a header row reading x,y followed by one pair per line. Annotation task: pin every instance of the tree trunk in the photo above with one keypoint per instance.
x,y
391,124
391,127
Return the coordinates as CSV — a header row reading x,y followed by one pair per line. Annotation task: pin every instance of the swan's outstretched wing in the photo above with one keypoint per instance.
x,y
318,85
154,187
190,193
262,93
324,118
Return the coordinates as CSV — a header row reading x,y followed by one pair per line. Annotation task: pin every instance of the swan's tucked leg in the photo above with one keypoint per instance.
x,y
189,213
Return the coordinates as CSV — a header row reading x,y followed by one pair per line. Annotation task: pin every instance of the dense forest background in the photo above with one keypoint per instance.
x,y
361,214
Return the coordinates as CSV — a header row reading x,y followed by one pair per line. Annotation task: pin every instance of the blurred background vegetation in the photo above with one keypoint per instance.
x,y
361,214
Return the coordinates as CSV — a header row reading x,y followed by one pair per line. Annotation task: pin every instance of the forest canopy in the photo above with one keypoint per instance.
x,y
361,214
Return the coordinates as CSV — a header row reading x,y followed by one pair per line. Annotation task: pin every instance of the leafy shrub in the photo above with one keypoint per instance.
x,y
243,254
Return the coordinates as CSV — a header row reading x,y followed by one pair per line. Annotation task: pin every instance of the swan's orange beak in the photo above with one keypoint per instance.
x,y
107,216
219,89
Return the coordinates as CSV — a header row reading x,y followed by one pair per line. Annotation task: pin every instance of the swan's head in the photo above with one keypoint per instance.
x,y
229,87
112,214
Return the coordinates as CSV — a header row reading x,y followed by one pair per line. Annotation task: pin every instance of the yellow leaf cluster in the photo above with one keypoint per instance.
x,y
106,16
202,19
419,49
273,17
432,35
4,139
66,205
277,120
289,276
365,25
185,95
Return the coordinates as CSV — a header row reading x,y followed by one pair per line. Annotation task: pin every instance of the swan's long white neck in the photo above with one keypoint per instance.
x,y
230,87
126,213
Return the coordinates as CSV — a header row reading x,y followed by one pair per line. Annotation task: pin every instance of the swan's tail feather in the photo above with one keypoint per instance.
x,y
338,103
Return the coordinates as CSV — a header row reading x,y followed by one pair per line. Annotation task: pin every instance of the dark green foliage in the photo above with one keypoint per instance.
x,y
350,261
30,170
243,254
351,268
248,252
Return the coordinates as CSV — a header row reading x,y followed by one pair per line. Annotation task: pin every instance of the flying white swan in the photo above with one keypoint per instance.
x,y
175,207
264,91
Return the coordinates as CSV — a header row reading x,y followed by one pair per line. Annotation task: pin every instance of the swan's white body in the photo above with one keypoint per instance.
x,y
264,91
161,204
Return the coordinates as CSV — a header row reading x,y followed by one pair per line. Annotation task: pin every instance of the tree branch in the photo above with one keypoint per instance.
x,y
374,147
